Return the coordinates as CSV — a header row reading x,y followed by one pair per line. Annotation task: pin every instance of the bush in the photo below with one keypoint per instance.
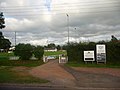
x,y
38,52
24,51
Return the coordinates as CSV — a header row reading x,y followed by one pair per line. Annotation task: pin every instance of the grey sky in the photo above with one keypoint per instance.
x,y
40,22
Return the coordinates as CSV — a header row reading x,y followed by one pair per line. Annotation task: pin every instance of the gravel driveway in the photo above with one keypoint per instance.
x,y
53,72
58,74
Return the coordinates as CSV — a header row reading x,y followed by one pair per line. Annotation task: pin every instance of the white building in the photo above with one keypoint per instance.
x,y
50,49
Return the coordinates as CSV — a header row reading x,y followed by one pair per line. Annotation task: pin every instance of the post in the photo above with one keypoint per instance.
x,y
68,27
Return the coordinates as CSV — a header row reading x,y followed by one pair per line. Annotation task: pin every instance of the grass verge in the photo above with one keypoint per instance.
x,y
28,63
100,65
7,75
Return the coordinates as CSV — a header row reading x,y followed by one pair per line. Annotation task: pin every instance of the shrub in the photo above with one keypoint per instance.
x,y
38,52
24,51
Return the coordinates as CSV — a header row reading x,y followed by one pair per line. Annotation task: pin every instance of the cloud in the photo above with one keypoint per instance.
x,y
14,24
35,24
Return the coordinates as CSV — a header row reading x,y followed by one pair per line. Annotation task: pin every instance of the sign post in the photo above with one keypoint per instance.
x,y
89,56
101,53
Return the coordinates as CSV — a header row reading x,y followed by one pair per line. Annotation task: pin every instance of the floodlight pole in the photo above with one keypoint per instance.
x,y
68,27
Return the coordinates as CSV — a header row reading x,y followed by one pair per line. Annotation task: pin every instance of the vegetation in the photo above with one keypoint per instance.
x,y
75,51
55,53
38,52
2,21
4,61
24,51
27,63
4,43
5,56
7,75
90,64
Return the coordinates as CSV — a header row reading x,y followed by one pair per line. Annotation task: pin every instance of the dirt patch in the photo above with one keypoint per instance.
x,y
54,73
78,76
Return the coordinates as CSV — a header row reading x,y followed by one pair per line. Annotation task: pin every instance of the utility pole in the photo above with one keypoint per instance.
x,y
68,27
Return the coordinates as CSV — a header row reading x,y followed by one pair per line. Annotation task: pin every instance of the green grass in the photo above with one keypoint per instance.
x,y
100,65
5,56
9,76
28,63
4,61
55,53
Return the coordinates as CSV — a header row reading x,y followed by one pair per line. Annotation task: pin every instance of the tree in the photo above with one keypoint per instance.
x,y
24,51
38,52
4,43
58,47
51,45
2,22
114,39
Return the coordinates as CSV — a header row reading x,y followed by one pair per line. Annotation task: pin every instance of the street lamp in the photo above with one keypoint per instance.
x,y
68,26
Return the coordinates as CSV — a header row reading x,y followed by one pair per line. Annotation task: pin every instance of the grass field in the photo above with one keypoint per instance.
x,y
55,53
5,56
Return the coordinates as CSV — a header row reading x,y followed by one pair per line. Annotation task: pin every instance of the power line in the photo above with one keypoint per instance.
x,y
57,9
62,7
76,3
96,8
100,9
52,13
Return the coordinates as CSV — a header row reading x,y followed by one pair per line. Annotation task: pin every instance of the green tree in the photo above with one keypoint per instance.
x,y
2,22
51,45
58,47
38,52
113,38
4,43
24,51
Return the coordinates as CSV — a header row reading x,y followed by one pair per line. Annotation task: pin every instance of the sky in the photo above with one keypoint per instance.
x,y
40,22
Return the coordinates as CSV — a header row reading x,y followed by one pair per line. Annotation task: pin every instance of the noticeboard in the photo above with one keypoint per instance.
x,y
89,56
101,53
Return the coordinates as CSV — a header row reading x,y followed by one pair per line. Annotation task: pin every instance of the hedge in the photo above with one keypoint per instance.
x,y
75,51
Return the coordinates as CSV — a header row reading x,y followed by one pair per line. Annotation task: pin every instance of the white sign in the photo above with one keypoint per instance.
x,y
89,56
101,49
101,53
